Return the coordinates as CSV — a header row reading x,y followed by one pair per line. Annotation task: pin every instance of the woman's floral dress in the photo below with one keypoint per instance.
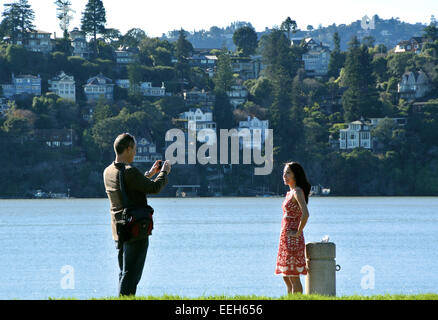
x,y
291,260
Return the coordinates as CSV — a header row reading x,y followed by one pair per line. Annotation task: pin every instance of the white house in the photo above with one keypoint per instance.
x,y
199,119
23,84
33,40
64,86
56,138
123,83
414,85
198,97
358,134
147,151
145,88
80,45
238,95
148,90
254,124
316,59
126,55
99,86
415,44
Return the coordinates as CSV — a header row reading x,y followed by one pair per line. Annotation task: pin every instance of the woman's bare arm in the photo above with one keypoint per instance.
x,y
299,196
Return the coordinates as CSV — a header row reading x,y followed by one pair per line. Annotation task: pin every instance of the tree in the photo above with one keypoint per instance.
x,y
223,77
361,97
245,39
337,58
17,58
380,68
153,51
19,123
162,57
431,32
223,111
261,91
113,37
397,63
93,20
18,19
63,13
289,25
279,120
384,131
279,56
133,37
102,111
369,41
183,50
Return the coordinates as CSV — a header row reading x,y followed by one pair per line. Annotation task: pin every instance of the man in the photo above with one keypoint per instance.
x,y
132,254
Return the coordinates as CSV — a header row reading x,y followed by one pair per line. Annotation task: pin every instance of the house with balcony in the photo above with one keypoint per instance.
x,y
81,47
359,133
414,85
39,41
254,124
203,61
197,119
33,40
126,55
147,151
247,67
123,83
238,94
148,90
200,98
316,59
415,44
98,87
22,84
64,86
145,88
56,138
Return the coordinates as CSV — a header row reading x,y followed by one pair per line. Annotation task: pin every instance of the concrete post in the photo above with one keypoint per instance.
x,y
321,276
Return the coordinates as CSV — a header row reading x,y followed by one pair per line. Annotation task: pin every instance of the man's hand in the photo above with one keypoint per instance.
x,y
155,168
167,167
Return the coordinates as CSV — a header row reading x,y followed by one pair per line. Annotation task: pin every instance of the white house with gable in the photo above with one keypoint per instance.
x,y
199,119
359,133
64,86
254,125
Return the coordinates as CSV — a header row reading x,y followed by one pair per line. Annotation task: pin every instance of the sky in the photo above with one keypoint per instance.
x,y
158,17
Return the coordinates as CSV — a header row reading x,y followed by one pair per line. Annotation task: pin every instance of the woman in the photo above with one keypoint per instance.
x,y
291,260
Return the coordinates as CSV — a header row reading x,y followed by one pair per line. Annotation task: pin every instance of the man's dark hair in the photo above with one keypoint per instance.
x,y
124,141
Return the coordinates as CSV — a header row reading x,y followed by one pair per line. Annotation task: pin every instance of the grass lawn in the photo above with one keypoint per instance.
x,y
429,296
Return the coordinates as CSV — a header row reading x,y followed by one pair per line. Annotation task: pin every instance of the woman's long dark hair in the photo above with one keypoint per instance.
x,y
300,178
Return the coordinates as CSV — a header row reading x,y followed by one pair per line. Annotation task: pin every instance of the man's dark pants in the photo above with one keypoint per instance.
x,y
132,256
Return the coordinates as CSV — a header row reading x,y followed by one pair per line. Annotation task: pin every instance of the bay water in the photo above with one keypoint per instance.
x,y
215,246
